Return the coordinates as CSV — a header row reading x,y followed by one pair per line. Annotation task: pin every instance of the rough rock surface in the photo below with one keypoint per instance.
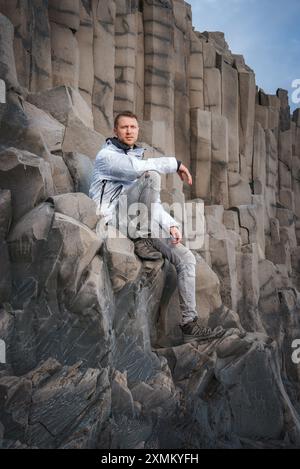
x,y
94,353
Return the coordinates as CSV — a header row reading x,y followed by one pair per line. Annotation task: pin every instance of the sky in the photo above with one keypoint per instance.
x,y
265,32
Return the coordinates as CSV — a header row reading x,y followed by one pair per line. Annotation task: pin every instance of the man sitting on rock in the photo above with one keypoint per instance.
x,y
121,178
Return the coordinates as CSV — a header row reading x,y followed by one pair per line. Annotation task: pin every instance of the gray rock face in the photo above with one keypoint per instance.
x,y
93,349
77,206
41,424
7,65
25,173
81,170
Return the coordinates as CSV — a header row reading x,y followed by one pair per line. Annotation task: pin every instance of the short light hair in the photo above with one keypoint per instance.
x,y
124,114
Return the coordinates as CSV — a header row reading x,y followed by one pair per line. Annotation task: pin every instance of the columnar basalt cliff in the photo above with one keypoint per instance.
x,y
94,356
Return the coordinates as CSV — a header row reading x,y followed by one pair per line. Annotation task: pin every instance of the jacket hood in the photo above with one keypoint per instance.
x,y
122,146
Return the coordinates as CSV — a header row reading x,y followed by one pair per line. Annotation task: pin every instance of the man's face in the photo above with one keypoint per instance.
x,y
127,130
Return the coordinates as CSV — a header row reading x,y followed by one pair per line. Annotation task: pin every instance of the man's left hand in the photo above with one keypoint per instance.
x,y
176,235
184,174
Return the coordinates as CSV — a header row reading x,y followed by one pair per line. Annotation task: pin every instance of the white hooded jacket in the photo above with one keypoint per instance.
x,y
117,167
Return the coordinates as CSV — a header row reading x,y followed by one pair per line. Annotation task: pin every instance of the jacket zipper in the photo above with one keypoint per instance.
x,y
116,193
102,191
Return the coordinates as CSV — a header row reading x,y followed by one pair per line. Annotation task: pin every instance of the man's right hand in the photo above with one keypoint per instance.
x,y
184,174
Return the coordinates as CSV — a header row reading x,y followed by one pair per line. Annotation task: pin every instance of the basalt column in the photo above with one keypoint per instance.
x,y
126,40
104,65
159,68
32,44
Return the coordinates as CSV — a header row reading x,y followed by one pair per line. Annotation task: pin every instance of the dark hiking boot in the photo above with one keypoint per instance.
x,y
143,248
195,331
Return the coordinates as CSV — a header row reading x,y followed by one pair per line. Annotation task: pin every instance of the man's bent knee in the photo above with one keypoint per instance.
x,y
152,178
151,175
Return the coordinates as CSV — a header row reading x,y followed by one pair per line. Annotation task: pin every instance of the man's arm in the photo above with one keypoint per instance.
x,y
116,166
